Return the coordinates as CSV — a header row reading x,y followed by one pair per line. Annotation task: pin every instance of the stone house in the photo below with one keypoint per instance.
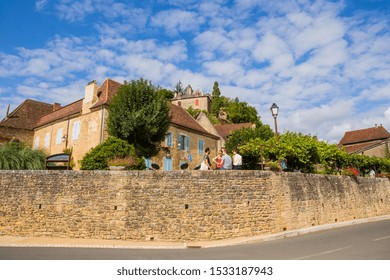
x,y
81,126
195,99
372,141
19,124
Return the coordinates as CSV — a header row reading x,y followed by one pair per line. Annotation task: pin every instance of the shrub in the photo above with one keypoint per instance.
x,y
98,157
18,156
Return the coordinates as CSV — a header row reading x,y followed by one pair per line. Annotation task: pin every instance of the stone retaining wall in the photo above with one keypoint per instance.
x,y
181,205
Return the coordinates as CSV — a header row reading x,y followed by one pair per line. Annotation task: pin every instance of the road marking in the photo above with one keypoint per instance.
x,y
381,238
323,253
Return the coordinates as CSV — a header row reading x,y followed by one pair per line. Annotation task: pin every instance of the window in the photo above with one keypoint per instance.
x,y
169,140
183,142
36,143
47,140
200,147
76,130
59,136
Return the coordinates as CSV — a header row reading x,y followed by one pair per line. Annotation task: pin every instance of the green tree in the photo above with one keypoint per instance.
x,y
168,94
17,156
216,99
139,115
241,112
244,135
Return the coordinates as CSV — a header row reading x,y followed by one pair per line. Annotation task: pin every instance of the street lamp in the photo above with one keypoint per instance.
x,y
274,110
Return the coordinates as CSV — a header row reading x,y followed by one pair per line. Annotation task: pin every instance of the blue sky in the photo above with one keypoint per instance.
x,y
326,64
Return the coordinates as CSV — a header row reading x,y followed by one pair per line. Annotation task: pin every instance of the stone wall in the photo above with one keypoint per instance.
x,y
180,205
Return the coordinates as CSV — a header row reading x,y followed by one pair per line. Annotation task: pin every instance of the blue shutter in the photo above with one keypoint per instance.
x,y
187,144
148,163
200,147
168,164
169,139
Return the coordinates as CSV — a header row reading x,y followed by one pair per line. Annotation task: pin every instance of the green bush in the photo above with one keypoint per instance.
x,y
18,156
98,157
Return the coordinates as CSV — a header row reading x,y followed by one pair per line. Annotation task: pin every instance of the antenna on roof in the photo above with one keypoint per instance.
x,y
7,113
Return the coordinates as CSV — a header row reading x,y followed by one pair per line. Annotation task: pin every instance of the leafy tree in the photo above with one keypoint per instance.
x,y
17,156
97,158
241,112
245,135
168,94
139,115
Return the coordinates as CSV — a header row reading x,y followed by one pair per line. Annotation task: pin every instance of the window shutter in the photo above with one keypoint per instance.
x,y
148,163
168,164
36,143
47,140
201,147
187,144
59,136
169,139
76,130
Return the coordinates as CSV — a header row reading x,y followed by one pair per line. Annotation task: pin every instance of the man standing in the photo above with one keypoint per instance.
x,y
237,160
226,160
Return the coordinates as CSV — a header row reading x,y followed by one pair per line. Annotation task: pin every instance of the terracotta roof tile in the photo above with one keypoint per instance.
x,y
182,118
64,112
364,135
354,148
27,114
225,130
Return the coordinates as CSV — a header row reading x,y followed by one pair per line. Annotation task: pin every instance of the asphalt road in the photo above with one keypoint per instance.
x,y
368,241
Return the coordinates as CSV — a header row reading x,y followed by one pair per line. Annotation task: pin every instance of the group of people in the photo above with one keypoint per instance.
x,y
223,160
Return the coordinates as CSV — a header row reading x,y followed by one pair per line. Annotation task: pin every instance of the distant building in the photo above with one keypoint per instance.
x,y
19,124
195,99
372,141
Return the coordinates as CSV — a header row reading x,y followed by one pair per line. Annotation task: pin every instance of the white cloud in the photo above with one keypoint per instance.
x,y
40,4
324,71
177,21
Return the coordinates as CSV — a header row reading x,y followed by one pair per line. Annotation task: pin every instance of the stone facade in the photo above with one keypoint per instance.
x,y
78,132
192,155
181,205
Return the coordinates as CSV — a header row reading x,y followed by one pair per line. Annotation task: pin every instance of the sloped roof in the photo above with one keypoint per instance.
x,y
181,117
106,91
27,114
225,130
61,113
364,135
359,147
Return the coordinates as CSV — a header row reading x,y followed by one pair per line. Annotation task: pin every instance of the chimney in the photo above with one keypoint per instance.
x,y
56,106
90,96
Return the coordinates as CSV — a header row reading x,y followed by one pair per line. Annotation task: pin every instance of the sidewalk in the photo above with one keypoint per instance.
x,y
14,241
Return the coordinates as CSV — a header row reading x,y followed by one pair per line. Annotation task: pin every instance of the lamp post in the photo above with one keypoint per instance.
x,y
274,110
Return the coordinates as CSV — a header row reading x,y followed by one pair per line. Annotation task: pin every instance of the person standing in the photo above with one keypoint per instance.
x,y
226,160
237,160
218,160
206,163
